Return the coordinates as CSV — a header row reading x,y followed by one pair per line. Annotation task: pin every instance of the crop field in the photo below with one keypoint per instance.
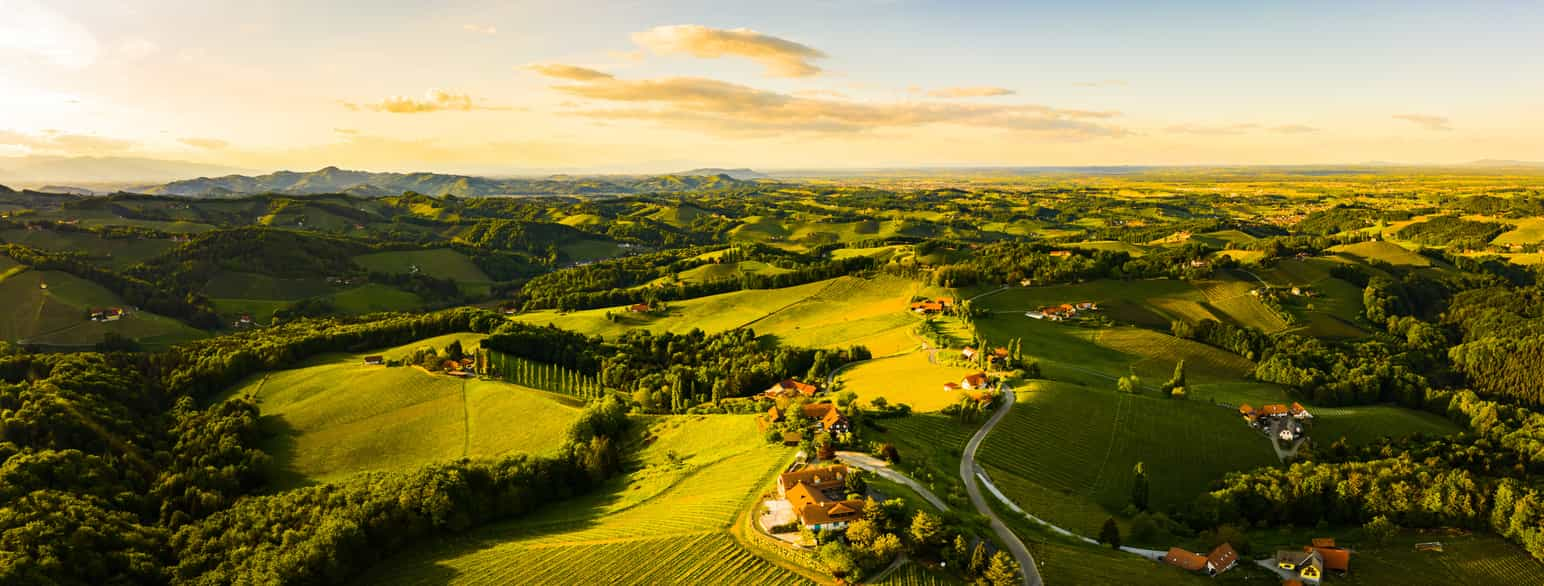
x,y
1365,423
1067,452
677,517
1465,559
1160,352
440,263
909,379
584,250
1231,298
913,574
1152,303
335,416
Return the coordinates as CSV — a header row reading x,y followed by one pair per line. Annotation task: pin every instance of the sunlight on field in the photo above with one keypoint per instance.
x,y
908,379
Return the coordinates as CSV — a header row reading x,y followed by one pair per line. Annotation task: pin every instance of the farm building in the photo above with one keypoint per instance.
x,y
815,496
1221,559
930,307
1061,253
789,388
375,360
1184,560
951,387
107,314
829,417
974,381
968,353
1307,564
638,308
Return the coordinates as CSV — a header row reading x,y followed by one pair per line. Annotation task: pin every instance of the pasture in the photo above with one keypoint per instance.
x,y
334,416
440,263
58,315
1067,452
117,253
675,513
1097,356
910,378
1364,424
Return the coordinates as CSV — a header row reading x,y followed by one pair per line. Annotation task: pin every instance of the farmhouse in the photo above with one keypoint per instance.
x,y
815,496
951,387
1308,564
638,308
1221,559
974,381
375,360
1000,354
790,388
108,314
1061,253
829,417
1184,560
930,307
968,353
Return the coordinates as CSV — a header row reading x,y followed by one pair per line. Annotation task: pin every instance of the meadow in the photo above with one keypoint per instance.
x,y
1067,452
1465,559
117,253
910,378
668,522
58,315
440,263
335,416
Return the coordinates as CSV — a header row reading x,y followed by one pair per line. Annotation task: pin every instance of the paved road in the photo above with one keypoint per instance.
x,y
968,470
882,468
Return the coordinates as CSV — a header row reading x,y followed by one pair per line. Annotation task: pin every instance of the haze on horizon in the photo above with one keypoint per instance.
x,y
664,86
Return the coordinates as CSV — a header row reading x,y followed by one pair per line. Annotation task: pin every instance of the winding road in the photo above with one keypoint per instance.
x,y
968,472
882,468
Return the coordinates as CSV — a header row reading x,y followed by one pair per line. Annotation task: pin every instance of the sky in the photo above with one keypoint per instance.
x,y
662,85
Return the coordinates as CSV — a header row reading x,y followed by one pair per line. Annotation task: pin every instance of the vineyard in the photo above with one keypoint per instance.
x,y
697,476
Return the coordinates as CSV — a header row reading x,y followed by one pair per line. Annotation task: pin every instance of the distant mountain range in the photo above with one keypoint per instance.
x,y
742,173
370,184
36,169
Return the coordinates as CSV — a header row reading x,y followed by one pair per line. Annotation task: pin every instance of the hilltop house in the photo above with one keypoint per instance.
x,y
815,496
790,388
974,381
375,360
828,416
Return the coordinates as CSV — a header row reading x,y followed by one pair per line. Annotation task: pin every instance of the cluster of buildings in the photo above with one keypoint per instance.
x,y
816,495
1061,312
790,388
107,314
971,382
243,321
1221,559
1286,422
826,416
1310,564
926,307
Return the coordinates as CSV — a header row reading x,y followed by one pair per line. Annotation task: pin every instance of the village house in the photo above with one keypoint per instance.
x,y
790,388
930,307
815,495
968,353
1000,355
638,308
1221,559
974,381
108,314
828,417
375,360
1307,564
951,387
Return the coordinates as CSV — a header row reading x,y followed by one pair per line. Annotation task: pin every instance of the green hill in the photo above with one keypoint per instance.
x,y
52,308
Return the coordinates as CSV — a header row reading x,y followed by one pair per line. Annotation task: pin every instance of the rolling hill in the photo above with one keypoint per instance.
x,y
370,184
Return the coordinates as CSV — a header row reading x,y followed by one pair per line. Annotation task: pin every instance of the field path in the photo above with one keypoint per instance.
x,y
466,423
968,471
882,468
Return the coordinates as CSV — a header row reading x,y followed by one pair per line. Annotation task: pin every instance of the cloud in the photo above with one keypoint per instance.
x,y
64,143
726,108
781,57
1436,123
569,72
1293,129
480,29
212,144
346,131
970,92
434,101
34,28
1102,83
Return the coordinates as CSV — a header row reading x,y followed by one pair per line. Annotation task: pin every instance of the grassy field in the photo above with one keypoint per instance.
x,y
440,263
1524,231
1366,423
335,416
909,379
373,297
236,285
58,315
833,313
1465,559
669,522
720,272
1066,452
1096,356
930,446
117,253
1381,250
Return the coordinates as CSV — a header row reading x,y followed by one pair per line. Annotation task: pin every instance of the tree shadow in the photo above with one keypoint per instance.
x,y
279,440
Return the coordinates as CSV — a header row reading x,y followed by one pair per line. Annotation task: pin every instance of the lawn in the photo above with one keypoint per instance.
x,y
909,379
440,263
1067,452
335,417
668,522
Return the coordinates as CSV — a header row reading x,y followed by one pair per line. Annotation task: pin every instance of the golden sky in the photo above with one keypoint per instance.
x,y
661,86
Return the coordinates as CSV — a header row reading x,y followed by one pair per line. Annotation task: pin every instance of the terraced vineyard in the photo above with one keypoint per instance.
x,y
1073,564
1067,452
675,513
1465,559
912,574
1366,423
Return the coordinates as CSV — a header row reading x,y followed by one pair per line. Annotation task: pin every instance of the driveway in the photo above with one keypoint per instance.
x,y
968,471
882,468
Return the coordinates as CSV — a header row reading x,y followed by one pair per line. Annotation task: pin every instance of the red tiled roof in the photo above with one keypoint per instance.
x,y
1335,558
1183,559
820,477
817,410
830,512
1322,541
975,380
1222,557
789,385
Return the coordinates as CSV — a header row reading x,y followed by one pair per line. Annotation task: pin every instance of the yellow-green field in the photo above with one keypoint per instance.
x,y
118,253
1382,250
1365,423
1465,559
834,313
1524,231
909,379
335,416
671,522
